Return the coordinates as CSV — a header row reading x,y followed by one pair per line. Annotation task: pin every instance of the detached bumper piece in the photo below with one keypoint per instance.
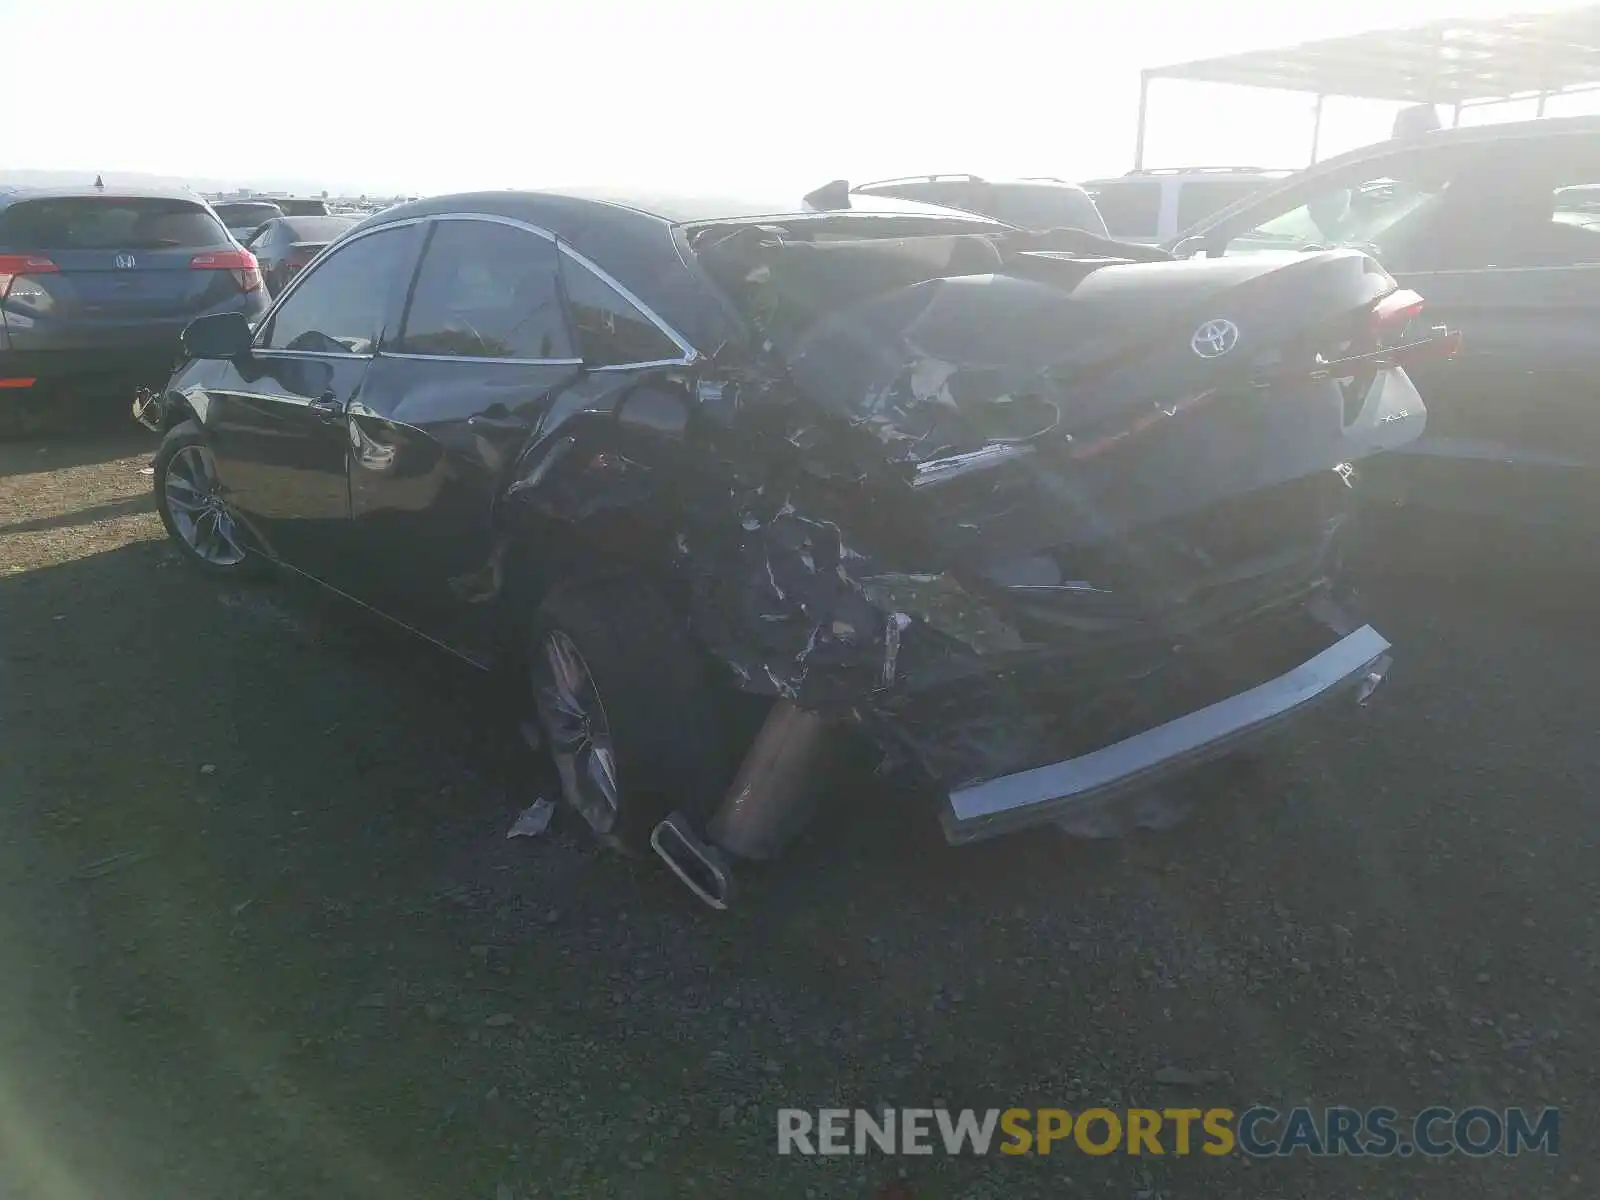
x,y
1351,668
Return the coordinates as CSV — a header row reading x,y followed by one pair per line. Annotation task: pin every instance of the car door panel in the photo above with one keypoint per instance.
x,y
1514,419
277,419
280,451
425,477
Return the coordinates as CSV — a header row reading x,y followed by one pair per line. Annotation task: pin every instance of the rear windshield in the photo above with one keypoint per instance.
x,y
247,214
110,223
317,229
304,208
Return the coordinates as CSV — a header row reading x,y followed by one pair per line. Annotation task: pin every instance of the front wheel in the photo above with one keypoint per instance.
x,y
192,504
626,709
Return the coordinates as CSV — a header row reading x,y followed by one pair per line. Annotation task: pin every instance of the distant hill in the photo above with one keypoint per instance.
x,y
141,179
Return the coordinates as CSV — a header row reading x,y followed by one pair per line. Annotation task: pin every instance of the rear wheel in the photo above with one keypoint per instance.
x,y
626,709
193,507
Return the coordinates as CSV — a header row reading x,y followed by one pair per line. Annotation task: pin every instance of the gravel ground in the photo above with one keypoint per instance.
x,y
263,934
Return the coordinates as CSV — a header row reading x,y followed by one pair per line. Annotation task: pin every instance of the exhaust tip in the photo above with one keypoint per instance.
x,y
1377,672
702,868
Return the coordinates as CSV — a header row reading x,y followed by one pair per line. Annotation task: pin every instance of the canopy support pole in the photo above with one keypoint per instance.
x,y
1316,128
1539,111
1144,104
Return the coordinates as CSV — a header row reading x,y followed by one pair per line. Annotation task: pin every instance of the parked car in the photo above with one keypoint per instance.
x,y
284,245
244,217
1036,203
96,286
1495,224
302,206
1049,527
1154,206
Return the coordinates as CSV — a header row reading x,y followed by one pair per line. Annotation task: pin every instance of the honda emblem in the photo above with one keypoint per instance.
x,y
126,262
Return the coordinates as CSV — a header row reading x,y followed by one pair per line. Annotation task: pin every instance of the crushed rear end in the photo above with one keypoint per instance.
x,y
1048,525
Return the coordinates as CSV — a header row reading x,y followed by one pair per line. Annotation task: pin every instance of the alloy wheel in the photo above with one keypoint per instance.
x,y
199,513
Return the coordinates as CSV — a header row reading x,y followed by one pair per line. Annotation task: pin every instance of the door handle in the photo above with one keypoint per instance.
x,y
487,424
328,406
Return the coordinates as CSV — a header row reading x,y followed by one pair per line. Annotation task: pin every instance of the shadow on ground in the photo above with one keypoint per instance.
x,y
263,934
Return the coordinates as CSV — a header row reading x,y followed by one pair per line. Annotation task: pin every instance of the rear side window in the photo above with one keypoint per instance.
x,y
110,223
1044,206
485,290
611,331
339,307
1130,208
1197,200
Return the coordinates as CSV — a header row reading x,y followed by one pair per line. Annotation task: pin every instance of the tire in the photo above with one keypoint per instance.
x,y
206,533
654,702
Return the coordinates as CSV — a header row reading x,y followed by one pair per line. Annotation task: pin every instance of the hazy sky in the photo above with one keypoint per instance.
x,y
765,99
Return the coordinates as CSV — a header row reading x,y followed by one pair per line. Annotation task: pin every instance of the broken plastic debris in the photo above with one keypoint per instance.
x,y
534,819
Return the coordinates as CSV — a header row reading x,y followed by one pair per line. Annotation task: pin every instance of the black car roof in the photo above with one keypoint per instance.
x,y
628,235
1537,129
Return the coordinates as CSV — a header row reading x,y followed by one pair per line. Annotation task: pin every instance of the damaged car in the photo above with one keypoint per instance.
x,y
1043,526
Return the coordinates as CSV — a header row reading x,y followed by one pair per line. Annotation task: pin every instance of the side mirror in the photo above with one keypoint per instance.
x,y
220,336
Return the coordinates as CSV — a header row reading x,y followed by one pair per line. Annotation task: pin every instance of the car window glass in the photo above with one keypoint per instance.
x,y
611,331
486,290
1048,206
1199,198
339,307
1381,215
110,223
1130,208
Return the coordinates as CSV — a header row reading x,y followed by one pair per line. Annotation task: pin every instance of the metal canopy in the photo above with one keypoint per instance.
x,y
1457,62
1443,62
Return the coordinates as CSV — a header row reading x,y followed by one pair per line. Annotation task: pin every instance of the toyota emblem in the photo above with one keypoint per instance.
x,y
1215,338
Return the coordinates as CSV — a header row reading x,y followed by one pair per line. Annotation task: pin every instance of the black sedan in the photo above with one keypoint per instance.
x,y
1043,526
284,245
244,217
1495,224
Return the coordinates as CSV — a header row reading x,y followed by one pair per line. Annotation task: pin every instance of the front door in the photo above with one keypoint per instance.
x,y
278,420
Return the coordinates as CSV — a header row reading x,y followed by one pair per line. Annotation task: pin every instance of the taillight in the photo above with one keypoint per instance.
x,y
1390,323
13,265
1394,312
246,271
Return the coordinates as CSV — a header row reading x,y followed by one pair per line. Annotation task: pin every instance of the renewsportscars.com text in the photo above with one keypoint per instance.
x,y
1257,1132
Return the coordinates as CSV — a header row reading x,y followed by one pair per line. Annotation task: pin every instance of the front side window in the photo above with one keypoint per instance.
x,y
486,290
1130,208
611,331
339,307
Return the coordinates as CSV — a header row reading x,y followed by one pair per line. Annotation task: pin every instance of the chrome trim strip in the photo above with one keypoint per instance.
x,y
474,358
273,352
1042,794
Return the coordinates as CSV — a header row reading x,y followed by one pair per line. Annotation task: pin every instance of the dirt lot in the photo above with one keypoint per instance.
x,y
263,934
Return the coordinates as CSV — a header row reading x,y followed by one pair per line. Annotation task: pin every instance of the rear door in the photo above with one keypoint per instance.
x,y
474,368
278,420
111,272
